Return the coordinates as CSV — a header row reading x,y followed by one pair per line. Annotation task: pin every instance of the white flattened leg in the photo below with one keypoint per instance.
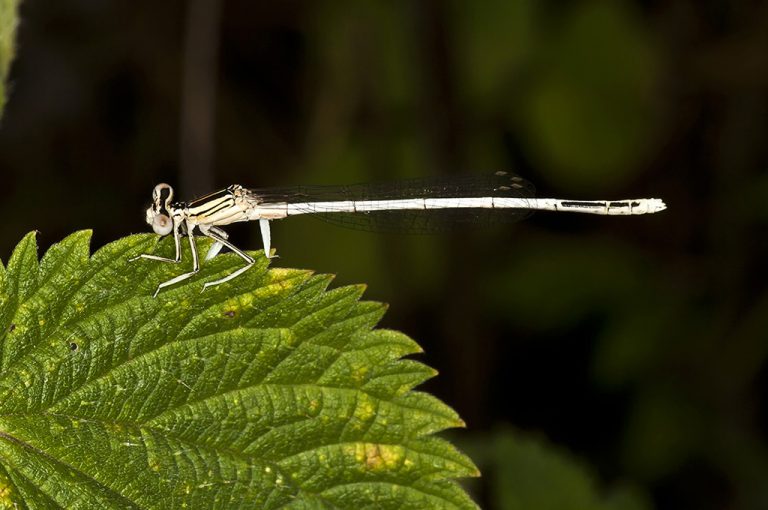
x,y
266,237
195,264
249,261
217,246
213,251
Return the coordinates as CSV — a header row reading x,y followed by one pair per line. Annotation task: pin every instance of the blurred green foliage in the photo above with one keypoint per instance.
x,y
568,83
527,472
8,23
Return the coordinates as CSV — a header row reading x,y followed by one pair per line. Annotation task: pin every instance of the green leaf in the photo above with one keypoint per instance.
x,y
9,20
266,392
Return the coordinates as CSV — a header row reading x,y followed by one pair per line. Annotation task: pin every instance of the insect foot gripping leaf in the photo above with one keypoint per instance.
x,y
266,392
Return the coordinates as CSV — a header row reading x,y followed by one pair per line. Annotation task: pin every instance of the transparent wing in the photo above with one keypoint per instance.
x,y
500,184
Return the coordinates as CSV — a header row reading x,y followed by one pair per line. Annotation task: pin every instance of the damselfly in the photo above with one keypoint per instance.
x,y
419,205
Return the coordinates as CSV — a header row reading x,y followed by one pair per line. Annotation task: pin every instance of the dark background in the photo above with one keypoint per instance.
x,y
636,344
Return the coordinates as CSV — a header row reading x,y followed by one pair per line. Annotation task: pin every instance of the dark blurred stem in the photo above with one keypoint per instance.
x,y
441,112
469,352
198,106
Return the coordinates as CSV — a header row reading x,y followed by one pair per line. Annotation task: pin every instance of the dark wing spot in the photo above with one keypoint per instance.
x,y
11,328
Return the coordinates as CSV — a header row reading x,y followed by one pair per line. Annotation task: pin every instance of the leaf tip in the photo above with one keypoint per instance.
x,y
360,289
28,241
31,236
81,236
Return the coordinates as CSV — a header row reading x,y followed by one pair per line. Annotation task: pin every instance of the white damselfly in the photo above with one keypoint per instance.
x,y
418,205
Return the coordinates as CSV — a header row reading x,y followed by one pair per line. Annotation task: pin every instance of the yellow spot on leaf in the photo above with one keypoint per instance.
x,y
5,492
360,374
365,410
382,457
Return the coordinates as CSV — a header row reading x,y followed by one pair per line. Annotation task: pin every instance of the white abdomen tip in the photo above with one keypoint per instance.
x,y
654,205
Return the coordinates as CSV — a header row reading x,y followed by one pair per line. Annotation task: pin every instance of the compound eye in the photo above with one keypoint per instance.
x,y
162,224
162,194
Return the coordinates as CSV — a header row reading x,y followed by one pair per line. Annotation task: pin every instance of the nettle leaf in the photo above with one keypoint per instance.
x,y
270,391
